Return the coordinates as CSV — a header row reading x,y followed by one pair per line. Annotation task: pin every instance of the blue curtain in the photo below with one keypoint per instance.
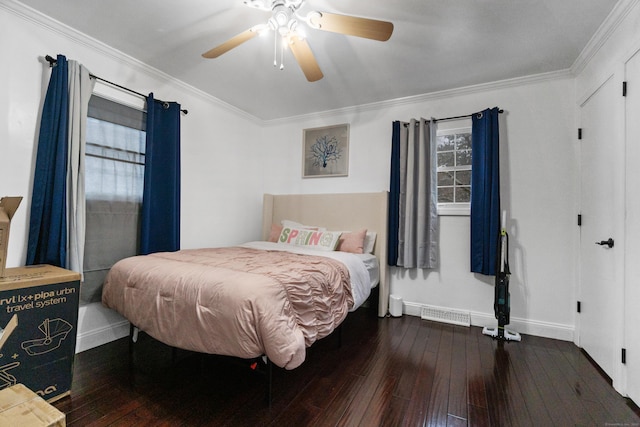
x,y
160,224
48,219
485,191
394,197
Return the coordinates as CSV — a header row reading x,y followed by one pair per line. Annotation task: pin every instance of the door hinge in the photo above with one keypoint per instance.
x,y
624,355
579,220
624,88
579,133
579,307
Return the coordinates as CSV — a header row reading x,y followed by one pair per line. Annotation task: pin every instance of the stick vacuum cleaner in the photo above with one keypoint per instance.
x,y
501,302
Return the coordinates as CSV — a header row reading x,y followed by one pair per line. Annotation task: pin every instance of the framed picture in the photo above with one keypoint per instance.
x,y
325,151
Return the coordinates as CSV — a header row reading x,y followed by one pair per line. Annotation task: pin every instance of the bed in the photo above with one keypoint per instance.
x,y
259,298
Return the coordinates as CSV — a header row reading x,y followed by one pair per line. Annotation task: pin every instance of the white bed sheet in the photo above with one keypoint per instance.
x,y
373,267
357,264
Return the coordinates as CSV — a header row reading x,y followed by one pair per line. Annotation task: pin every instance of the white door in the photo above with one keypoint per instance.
x,y
632,278
602,209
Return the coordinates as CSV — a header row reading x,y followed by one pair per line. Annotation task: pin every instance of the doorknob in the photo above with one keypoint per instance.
x,y
606,242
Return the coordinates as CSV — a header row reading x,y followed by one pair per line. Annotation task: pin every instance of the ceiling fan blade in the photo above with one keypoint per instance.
x,y
231,43
302,52
351,25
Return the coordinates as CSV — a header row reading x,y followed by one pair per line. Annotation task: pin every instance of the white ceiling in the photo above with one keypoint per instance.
x,y
436,45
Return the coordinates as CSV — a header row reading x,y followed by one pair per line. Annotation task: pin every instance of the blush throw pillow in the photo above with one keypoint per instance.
x,y
275,233
352,241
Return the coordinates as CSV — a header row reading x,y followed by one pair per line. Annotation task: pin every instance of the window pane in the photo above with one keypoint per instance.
x,y
463,141
445,194
463,177
114,168
454,160
445,178
463,158
463,194
445,143
445,159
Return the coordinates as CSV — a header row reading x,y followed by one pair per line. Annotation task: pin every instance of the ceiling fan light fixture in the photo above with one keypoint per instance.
x,y
281,18
299,33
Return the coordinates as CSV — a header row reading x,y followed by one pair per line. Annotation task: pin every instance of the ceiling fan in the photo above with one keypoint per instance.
x,y
285,21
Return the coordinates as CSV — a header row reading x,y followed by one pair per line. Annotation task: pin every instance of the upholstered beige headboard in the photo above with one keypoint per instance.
x,y
348,211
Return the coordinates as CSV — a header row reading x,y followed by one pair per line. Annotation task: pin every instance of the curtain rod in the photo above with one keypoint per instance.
x,y
51,60
462,117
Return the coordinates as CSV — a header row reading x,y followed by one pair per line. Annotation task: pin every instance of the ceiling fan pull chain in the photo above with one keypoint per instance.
x,y
282,54
275,49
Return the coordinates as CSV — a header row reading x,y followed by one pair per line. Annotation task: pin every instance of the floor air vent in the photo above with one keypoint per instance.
x,y
438,314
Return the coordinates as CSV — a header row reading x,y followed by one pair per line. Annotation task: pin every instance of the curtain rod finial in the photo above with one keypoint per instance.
x,y
51,60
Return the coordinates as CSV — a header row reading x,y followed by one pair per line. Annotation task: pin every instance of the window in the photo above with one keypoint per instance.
x,y
114,176
454,171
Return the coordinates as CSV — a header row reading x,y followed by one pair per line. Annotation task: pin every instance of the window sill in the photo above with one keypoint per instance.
x,y
454,210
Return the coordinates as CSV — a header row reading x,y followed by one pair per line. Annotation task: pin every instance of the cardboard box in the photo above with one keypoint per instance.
x,y
8,207
38,327
19,406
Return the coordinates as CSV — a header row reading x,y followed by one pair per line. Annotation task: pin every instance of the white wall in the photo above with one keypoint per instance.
x,y
538,191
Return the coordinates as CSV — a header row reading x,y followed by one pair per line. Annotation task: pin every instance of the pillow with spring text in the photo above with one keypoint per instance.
x,y
316,239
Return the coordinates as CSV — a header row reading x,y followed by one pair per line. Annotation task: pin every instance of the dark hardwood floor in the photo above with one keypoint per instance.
x,y
391,372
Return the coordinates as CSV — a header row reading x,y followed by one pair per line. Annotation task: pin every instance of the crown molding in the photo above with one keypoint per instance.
x,y
31,15
604,32
415,99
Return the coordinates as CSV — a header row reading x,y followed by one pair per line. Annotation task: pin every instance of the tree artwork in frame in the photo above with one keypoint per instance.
x,y
326,151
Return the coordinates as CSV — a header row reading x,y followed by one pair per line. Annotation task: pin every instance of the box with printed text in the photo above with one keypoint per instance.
x,y
38,326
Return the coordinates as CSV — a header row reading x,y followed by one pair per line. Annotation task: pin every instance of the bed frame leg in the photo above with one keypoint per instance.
x,y
133,338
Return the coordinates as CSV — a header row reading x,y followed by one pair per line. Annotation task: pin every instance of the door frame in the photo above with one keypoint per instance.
x,y
616,74
632,247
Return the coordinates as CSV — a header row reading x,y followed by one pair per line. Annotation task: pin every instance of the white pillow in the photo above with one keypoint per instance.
x,y
293,224
369,242
316,239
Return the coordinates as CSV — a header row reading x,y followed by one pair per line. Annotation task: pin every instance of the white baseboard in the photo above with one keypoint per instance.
x,y
98,325
523,326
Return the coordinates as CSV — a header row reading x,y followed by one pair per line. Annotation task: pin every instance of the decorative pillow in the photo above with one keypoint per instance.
x,y
275,233
322,240
369,242
352,241
293,224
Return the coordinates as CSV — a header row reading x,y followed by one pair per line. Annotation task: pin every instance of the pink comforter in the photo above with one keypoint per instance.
x,y
232,301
